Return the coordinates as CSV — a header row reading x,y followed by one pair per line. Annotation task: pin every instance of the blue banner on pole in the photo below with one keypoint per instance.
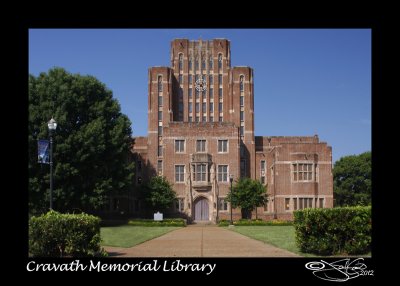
x,y
43,151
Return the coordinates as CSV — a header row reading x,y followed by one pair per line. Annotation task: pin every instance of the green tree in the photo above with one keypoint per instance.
x,y
158,193
247,194
91,144
352,180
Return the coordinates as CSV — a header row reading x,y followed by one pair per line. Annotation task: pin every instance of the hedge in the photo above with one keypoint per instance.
x,y
254,222
58,235
345,230
165,222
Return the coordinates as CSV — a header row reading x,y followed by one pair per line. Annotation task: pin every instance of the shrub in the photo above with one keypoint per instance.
x,y
165,222
57,235
344,230
255,222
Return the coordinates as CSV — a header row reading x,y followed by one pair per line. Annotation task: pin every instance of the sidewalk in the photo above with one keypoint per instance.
x,y
201,241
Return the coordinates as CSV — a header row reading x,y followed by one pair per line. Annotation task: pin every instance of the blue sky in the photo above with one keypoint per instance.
x,y
306,81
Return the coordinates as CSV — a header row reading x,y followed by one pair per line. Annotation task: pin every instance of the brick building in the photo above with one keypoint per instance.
x,y
201,131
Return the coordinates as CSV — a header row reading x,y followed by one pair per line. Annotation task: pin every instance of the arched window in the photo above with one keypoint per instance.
x,y
220,61
180,61
159,83
211,62
241,83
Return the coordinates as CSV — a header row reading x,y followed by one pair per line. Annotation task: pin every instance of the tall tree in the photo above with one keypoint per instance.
x,y
158,193
91,144
352,180
247,194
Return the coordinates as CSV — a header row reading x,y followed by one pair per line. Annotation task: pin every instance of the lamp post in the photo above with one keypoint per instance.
x,y
231,180
52,124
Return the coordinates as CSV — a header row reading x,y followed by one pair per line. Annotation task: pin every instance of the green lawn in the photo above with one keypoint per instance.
x,y
128,236
279,236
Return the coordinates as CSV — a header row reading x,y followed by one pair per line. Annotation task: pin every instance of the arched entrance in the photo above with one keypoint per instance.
x,y
201,209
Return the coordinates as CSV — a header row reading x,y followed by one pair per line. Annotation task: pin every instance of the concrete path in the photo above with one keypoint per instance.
x,y
201,241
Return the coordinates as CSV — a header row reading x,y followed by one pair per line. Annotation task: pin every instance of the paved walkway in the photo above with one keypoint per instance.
x,y
201,241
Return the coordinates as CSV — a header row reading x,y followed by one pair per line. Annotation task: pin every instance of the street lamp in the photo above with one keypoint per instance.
x,y
52,124
231,180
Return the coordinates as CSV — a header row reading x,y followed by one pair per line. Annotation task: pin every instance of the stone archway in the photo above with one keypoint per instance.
x,y
201,209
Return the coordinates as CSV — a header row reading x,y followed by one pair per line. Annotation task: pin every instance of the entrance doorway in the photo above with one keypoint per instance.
x,y
201,210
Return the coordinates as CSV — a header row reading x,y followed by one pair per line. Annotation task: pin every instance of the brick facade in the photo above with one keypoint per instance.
x,y
201,130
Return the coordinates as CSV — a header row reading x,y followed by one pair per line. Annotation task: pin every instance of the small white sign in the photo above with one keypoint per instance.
x,y
158,216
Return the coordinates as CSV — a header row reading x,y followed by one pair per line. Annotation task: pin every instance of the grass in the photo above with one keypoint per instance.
x,y
128,236
279,236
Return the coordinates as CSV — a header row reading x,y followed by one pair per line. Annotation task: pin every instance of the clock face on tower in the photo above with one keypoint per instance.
x,y
201,84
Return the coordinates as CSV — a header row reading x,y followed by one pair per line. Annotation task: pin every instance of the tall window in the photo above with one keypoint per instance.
x,y
190,79
219,79
197,107
222,173
241,130
211,62
160,149
180,62
302,172
159,100
321,202
190,118
180,79
204,119
197,93
190,63
197,119
211,107
211,92
220,92
204,108
179,146
263,171
196,77
242,101
203,64
294,204
220,61
241,84
211,118
287,204
222,146
190,92
220,107
196,64
159,167
179,173
180,205
190,107
159,83
241,115
159,115
200,172
160,130
210,80
201,146
242,168
220,119
223,205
